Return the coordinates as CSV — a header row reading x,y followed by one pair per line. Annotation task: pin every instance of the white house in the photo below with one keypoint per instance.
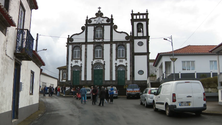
x,y
101,55
47,80
20,65
192,62
218,50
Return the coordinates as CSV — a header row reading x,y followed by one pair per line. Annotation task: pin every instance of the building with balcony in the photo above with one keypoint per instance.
x,y
192,62
20,65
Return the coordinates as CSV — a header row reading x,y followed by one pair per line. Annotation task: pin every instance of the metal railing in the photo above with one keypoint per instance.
x,y
24,42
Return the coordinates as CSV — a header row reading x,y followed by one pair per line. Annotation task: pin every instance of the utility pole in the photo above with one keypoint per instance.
x,y
36,43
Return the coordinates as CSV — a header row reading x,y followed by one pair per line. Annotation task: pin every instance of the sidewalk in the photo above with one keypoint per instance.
x,y
213,108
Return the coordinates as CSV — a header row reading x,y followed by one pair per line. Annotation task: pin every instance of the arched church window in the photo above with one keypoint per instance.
x,y
98,52
121,51
76,52
140,28
99,33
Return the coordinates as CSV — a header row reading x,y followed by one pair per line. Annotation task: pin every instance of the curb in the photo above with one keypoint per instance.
x,y
211,113
36,115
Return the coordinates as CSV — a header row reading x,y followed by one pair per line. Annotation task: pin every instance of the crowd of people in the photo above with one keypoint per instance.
x,y
51,90
104,94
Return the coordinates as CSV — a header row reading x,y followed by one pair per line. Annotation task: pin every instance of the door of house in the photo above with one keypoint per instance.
x,y
15,96
76,77
98,74
121,76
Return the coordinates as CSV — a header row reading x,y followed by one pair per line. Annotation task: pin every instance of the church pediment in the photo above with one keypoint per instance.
x,y
99,19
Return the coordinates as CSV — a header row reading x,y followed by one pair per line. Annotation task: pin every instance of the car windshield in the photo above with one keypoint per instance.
x,y
133,86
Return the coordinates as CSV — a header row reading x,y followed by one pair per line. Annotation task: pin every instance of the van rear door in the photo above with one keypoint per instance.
x,y
198,91
184,95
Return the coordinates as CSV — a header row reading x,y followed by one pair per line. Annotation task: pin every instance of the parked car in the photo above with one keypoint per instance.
x,y
115,91
146,98
88,94
180,96
133,90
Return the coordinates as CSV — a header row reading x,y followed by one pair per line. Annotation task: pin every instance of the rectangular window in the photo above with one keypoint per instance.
x,y
76,54
213,65
63,75
98,53
188,65
121,53
31,83
21,17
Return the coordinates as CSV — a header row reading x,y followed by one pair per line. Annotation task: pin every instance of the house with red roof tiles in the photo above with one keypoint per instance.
x,y
191,62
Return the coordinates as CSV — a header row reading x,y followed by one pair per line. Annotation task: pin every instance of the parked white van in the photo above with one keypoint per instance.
x,y
180,96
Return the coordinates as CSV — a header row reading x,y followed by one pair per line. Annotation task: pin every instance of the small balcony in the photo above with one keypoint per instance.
x,y
24,44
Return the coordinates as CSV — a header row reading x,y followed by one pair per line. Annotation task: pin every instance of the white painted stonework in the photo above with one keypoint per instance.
x,y
27,101
47,80
109,39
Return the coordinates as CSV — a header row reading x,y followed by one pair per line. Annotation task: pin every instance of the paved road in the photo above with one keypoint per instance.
x,y
69,111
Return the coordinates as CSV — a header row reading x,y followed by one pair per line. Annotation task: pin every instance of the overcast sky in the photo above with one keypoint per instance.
x,y
190,22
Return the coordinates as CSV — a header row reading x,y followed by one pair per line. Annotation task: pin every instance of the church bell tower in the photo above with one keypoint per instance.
x,y
140,47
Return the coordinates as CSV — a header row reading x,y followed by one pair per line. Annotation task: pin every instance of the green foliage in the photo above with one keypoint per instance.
x,y
209,82
152,75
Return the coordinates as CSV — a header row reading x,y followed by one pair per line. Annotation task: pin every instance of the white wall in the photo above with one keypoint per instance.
x,y
89,59
140,48
119,36
140,64
25,99
107,61
83,62
7,61
69,64
48,80
106,33
79,38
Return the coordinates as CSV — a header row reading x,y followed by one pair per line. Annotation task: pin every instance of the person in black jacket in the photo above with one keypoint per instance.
x,y
102,96
107,94
94,94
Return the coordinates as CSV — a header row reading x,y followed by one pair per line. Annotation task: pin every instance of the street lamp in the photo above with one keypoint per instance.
x,y
170,39
41,50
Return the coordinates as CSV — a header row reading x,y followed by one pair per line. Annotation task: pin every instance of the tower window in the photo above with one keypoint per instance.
x,y
140,28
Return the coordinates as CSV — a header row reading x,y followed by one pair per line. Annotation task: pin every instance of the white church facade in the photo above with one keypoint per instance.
x,y
101,55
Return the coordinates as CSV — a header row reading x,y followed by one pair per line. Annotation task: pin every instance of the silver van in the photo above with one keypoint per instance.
x,y
180,96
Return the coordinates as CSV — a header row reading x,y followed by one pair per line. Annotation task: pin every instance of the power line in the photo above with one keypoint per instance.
x,y
201,23
49,71
52,36
92,39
